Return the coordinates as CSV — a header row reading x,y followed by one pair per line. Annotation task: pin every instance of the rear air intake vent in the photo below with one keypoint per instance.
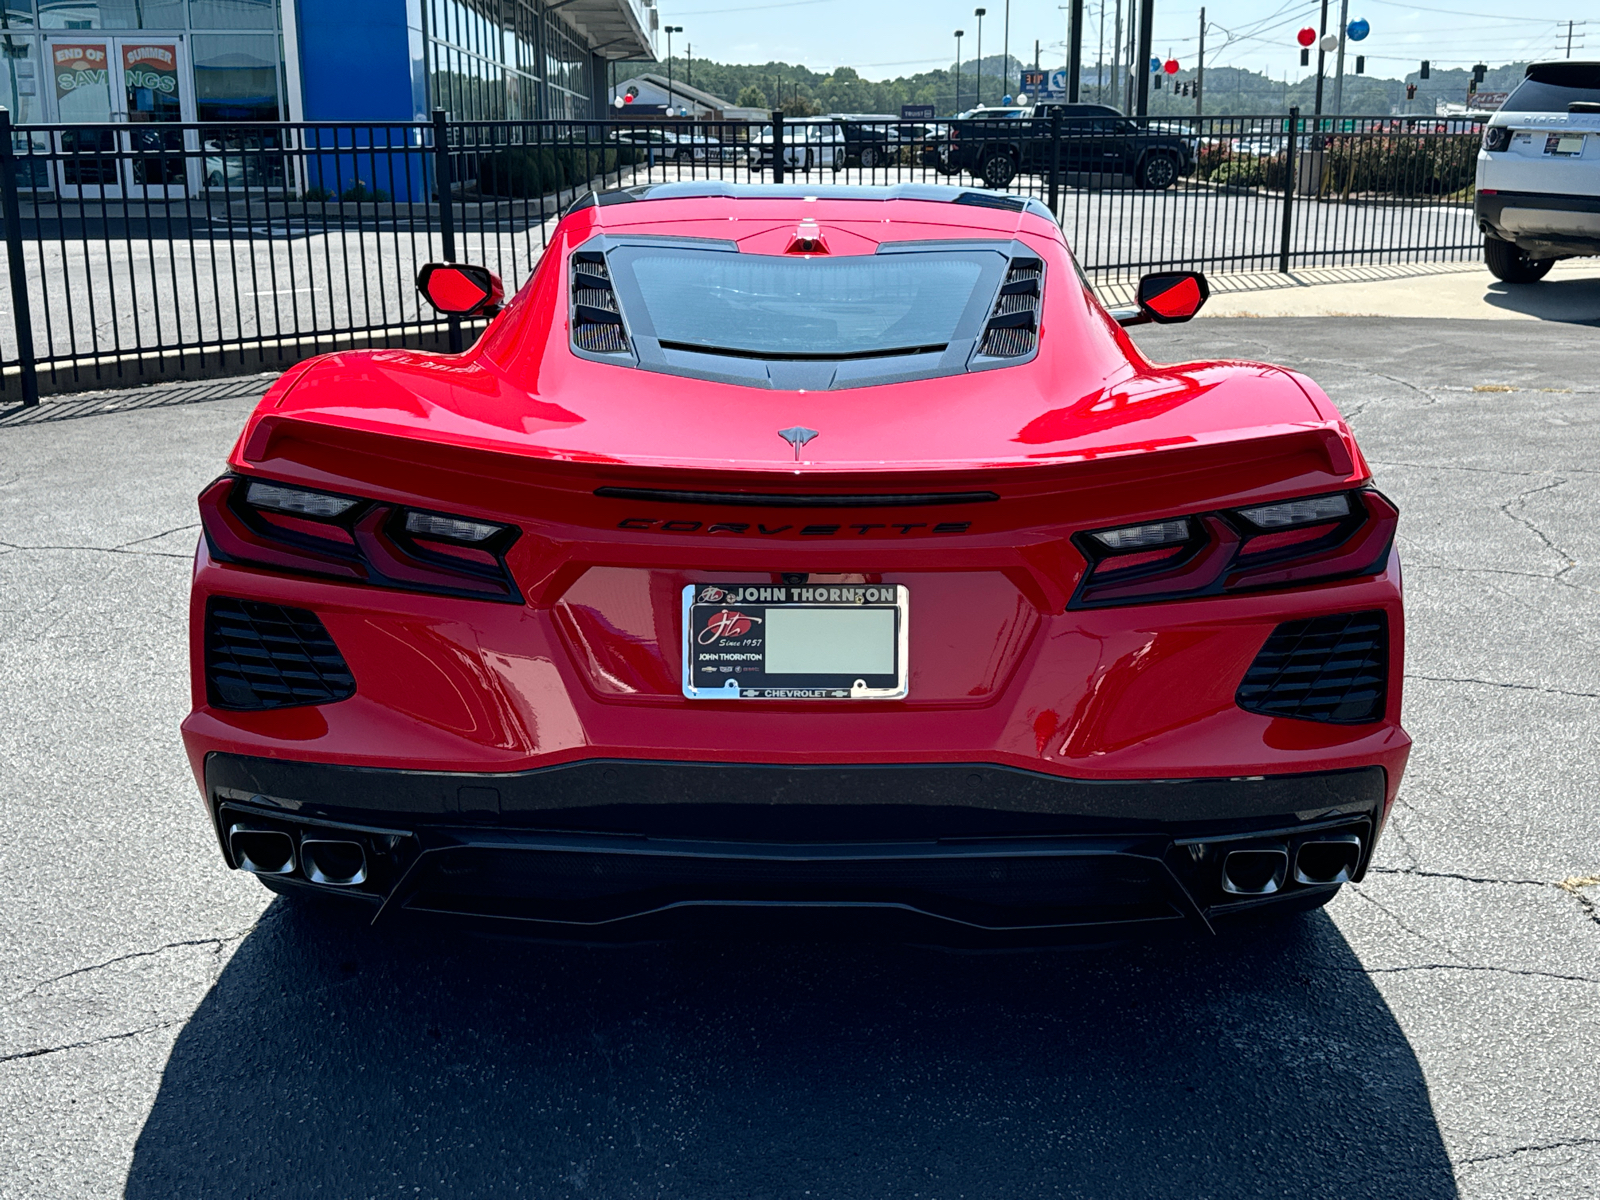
x,y
1331,669
596,317
1012,330
268,656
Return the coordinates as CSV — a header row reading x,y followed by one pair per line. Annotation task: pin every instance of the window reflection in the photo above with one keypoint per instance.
x,y
111,14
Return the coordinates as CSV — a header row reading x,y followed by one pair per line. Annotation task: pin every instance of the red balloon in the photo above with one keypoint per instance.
x,y
1170,66
627,99
1306,36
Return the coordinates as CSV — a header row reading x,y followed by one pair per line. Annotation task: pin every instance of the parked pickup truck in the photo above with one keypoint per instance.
x,y
1096,141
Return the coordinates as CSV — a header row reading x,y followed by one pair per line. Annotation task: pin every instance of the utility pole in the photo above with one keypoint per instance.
x,y
1200,66
1322,56
1116,53
1100,59
1338,70
1035,54
688,63
1140,69
1569,39
1075,53
979,13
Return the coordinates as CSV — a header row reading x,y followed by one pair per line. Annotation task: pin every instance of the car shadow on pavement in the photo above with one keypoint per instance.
x,y
1574,301
335,1060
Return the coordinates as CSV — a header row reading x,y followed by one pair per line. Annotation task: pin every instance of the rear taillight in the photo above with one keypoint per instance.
x,y
1497,137
1297,541
288,528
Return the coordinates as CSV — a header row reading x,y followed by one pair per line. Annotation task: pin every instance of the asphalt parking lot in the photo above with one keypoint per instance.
x,y
167,1028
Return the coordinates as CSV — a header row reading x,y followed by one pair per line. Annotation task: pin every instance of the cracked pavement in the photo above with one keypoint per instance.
x,y
167,1028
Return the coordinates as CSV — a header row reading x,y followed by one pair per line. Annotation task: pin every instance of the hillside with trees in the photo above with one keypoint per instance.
x,y
800,91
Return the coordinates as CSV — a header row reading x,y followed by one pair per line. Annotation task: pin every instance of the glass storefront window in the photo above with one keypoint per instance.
x,y
16,14
111,14
232,14
235,77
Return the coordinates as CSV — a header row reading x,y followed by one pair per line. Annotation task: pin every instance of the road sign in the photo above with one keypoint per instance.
x,y
916,112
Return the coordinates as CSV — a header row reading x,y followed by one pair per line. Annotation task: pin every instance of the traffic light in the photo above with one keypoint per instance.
x,y
1305,58
1411,91
1361,64
1158,81
1423,74
1478,72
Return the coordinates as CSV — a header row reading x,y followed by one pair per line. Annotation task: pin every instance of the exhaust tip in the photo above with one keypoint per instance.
x,y
1330,859
261,851
335,862
1257,872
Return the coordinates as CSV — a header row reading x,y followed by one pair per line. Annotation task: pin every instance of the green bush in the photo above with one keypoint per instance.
x,y
313,195
1210,157
1400,165
527,171
360,193
1237,172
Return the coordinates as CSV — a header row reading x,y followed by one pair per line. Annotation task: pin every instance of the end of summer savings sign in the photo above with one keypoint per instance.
x,y
83,83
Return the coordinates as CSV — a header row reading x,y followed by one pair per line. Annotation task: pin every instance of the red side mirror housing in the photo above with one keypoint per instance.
x,y
458,290
1167,298
1173,297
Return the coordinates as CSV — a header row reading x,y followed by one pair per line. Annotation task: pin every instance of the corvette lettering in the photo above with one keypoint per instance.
x,y
891,529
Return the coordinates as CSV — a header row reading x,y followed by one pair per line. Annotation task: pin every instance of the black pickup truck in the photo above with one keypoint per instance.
x,y
1097,142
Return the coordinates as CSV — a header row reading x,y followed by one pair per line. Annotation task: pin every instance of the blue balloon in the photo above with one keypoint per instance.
x,y
1155,65
1358,29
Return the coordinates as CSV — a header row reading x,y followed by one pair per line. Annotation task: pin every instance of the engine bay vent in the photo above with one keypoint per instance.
x,y
1012,330
596,317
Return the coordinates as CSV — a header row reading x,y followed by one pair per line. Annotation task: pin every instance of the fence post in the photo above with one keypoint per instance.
x,y
22,319
1289,164
1055,161
447,213
777,146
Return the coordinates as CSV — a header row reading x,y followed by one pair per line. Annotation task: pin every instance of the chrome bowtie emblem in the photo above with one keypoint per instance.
x,y
797,436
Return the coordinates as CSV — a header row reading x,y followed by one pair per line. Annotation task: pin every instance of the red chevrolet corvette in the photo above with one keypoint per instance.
x,y
787,547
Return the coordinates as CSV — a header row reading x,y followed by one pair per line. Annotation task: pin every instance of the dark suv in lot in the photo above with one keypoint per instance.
x,y
1097,142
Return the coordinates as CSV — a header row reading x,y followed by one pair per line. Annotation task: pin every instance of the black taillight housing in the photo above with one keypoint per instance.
x,y
284,527
1304,540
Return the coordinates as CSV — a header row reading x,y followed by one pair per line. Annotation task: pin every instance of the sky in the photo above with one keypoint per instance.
x,y
886,38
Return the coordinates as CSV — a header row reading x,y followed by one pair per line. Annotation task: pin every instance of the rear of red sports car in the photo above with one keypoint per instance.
x,y
775,548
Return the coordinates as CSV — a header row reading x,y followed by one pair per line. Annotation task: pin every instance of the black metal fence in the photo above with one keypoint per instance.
x,y
146,251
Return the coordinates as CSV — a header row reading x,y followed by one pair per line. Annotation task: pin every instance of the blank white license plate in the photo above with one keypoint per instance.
x,y
786,642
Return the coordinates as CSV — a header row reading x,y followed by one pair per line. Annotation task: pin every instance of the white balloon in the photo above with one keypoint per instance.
x,y
1330,41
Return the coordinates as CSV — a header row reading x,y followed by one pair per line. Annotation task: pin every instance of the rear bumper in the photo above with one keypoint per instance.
x,y
949,852
1545,225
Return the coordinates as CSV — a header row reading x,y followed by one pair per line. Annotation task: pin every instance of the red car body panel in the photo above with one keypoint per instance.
x,y
521,430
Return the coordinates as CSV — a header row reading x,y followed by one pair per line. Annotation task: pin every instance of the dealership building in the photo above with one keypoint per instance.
x,y
315,60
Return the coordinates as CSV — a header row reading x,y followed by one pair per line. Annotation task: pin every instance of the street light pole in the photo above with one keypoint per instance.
x,y
957,108
1200,67
978,12
1005,53
1139,69
671,29
1322,57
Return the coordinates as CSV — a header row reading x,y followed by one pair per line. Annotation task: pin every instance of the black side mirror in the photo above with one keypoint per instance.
x,y
1167,299
458,290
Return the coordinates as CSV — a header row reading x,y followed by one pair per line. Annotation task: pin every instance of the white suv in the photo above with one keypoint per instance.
x,y
1539,172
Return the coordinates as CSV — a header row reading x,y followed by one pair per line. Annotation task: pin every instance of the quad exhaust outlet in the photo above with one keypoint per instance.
x,y
1329,859
1259,871
261,851
336,862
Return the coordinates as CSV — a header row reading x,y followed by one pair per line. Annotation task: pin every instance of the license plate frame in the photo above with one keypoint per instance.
x,y
734,620
1564,145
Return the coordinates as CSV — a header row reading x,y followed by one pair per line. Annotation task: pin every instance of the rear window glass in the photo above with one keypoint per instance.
x,y
1551,88
771,306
